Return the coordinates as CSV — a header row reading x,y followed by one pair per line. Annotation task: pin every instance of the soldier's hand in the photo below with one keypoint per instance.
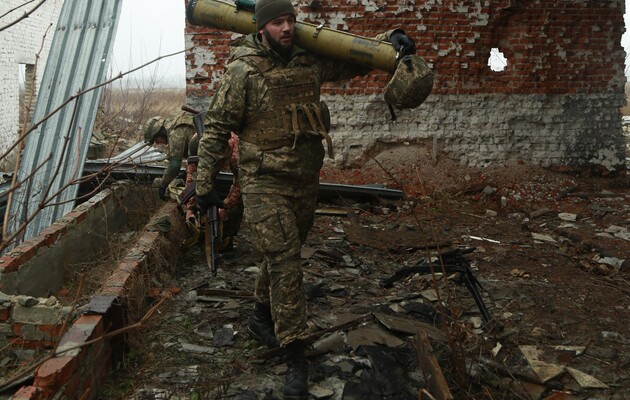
x,y
402,43
205,201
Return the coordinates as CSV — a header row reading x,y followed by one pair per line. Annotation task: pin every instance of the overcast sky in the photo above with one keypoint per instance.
x,y
148,29
152,28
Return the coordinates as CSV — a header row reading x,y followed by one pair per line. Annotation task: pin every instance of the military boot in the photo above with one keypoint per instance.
x,y
296,379
260,325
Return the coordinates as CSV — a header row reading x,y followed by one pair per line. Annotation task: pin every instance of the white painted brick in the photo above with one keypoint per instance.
x,y
540,130
20,44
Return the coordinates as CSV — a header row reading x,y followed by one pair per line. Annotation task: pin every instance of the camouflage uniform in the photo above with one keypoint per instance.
x,y
232,214
275,109
182,142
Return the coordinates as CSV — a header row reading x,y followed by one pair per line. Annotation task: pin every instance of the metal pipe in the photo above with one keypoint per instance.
x,y
318,39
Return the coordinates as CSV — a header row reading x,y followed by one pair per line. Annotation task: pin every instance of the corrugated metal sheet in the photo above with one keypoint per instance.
x,y
55,152
138,154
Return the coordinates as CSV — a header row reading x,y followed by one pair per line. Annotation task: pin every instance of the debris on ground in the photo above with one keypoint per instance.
x,y
430,296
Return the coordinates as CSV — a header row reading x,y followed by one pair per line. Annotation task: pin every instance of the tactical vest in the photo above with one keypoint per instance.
x,y
295,107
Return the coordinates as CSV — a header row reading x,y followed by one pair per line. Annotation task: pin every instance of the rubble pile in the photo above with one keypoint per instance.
x,y
460,294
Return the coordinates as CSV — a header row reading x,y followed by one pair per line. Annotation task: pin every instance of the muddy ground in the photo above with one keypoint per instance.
x,y
549,250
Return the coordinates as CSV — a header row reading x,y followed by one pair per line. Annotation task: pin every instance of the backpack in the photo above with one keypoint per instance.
x,y
411,83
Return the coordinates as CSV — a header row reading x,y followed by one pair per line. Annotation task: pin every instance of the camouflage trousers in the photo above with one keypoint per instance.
x,y
280,225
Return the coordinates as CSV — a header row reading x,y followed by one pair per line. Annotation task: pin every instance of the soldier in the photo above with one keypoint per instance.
x,y
269,96
181,137
179,134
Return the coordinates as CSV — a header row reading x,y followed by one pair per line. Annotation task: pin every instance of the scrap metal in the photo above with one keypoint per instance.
x,y
451,261
55,151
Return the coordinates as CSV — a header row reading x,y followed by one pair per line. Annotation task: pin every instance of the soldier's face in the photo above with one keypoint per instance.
x,y
278,33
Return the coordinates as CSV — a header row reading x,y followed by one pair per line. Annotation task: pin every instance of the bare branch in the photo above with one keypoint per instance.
x,y
138,325
4,244
82,92
15,8
24,16
7,240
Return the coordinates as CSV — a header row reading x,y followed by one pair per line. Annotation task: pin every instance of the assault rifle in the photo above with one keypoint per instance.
x,y
212,239
212,225
198,119
212,228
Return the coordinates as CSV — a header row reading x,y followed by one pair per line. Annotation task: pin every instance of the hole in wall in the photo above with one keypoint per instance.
x,y
497,61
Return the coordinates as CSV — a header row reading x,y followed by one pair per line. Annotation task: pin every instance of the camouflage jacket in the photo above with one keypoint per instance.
x,y
242,93
182,142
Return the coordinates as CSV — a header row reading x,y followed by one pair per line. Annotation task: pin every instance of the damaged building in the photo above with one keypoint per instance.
x,y
511,283
555,104
22,60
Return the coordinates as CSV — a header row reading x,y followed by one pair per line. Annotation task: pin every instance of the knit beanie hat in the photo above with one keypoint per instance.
x,y
266,10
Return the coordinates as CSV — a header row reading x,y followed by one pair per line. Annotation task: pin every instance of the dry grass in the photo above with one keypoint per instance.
x,y
626,109
123,113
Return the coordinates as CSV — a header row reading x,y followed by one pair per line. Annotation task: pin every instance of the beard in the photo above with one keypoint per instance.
x,y
282,50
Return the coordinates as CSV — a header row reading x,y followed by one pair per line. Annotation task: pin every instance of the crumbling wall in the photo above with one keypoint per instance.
x,y
87,342
60,249
555,104
27,42
30,323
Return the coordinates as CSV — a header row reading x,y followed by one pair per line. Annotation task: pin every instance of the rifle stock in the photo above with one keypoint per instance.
x,y
213,238
198,119
187,193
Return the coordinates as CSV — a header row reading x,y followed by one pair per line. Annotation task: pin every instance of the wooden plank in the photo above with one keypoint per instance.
x,y
431,368
409,326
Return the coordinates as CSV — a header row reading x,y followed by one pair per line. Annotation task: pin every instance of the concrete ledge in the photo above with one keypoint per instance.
x,y
61,245
83,357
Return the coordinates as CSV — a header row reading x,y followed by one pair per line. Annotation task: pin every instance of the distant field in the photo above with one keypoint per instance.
x,y
626,110
123,112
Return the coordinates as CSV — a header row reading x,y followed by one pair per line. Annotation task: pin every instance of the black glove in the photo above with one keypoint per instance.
x,y
204,201
162,193
402,43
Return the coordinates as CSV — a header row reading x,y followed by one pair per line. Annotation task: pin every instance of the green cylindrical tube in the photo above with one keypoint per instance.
x,y
317,39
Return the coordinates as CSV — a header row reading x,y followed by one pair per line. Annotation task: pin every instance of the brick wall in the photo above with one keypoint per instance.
x,y
31,323
84,352
555,104
21,44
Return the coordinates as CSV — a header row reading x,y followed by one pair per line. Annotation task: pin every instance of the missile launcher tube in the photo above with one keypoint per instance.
x,y
317,39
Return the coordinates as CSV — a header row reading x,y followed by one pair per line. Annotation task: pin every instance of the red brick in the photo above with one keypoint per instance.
x,y
28,393
52,233
32,344
71,390
53,331
543,24
53,374
5,314
96,321
16,328
10,263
